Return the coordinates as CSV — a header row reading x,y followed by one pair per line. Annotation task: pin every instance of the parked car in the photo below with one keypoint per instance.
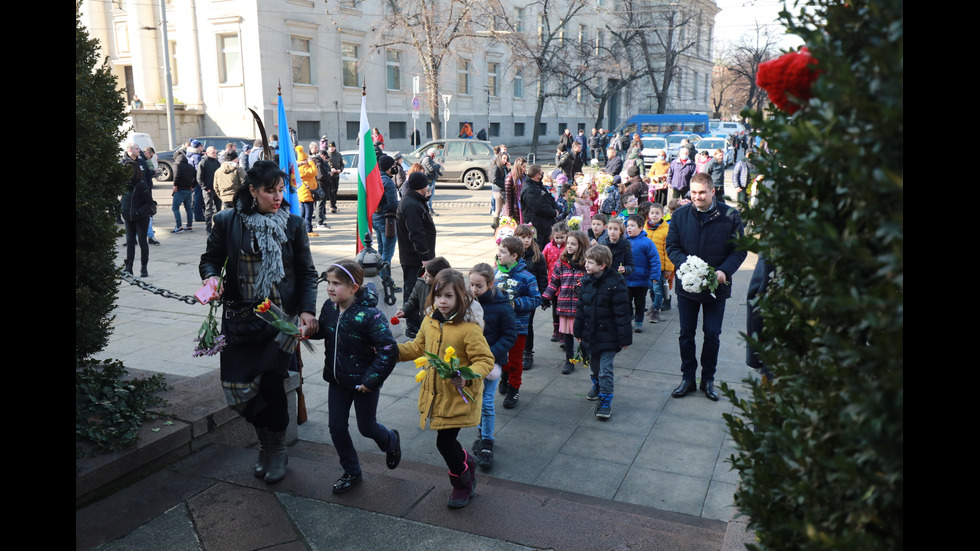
x,y
727,127
166,158
674,143
463,160
348,178
650,147
712,143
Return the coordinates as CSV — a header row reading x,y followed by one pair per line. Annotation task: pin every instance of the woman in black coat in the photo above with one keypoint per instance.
x,y
267,252
538,207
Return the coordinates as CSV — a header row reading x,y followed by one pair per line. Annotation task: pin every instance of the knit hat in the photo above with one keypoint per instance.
x,y
632,171
385,163
417,181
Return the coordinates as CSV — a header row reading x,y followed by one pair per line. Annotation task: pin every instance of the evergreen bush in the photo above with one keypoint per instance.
x,y
821,448
99,180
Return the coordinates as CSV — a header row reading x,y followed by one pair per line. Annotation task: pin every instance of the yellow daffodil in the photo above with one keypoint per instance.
x,y
420,362
451,351
420,375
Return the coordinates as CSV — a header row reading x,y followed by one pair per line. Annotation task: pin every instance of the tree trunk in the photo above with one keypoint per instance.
x,y
602,112
537,121
432,98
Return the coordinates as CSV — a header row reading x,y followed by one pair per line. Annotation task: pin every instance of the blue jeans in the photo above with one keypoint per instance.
x,y
386,245
601,366
713,314
306,211
432,193
339,400
198,204
182,197
657,291
487,417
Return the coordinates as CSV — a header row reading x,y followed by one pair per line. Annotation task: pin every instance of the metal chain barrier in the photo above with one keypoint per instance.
x,y
187,299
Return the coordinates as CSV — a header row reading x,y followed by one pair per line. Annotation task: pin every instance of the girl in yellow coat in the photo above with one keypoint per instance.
x,y
451,324
307,172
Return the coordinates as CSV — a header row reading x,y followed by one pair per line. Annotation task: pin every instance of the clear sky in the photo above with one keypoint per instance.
x,y
738,17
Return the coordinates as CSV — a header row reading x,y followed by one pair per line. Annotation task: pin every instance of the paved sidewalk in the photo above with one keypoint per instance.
x,y
656,458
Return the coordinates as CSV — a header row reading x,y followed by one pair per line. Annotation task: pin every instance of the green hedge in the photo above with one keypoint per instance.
x,y
99,112
821,450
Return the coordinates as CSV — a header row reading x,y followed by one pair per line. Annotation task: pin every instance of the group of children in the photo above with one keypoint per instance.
x,y
597,282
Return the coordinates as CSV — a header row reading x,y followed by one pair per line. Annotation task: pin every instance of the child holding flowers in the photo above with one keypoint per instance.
x,y
450,336
359,355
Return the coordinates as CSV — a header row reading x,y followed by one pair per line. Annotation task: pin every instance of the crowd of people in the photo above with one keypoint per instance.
x,y
590,247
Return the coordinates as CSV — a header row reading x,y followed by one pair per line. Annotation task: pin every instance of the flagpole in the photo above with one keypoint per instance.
x,y
357,230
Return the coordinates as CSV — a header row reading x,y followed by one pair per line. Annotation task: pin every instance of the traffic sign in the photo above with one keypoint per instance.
x,y
415,114
416,103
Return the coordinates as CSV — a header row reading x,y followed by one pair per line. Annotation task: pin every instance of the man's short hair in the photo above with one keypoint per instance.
x,y
702,178
600,254
534,170
601,217
231,156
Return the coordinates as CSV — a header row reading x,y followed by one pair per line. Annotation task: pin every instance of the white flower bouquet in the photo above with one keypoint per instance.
x,y
697,276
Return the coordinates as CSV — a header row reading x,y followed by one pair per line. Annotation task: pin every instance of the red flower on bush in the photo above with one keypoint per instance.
x,y
791,74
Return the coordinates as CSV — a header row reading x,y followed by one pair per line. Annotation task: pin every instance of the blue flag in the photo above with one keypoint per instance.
x,y
287,161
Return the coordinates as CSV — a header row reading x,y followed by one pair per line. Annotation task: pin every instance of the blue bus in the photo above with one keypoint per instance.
x,y
661,125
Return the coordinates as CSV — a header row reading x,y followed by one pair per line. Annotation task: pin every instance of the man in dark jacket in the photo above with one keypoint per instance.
x,y
538,207
386,212
416,230
324,179
184,182
205,178
336,161
614,166
570,162
716,169
706,228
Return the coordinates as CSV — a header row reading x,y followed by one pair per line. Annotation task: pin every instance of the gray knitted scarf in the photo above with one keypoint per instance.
x,y
269,231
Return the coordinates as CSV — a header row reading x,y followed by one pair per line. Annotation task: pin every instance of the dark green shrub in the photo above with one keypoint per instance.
x,y
110,409
821,450
98,182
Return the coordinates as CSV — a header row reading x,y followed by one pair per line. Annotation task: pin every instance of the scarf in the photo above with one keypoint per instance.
x,y
269,232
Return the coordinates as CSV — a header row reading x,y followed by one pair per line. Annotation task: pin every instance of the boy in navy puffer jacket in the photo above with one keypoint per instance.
x,y
646,260
522,289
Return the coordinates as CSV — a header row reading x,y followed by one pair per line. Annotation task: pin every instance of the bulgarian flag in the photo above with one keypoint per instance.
x,y
369,186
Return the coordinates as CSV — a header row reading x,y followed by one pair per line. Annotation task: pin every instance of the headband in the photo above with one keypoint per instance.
x,y
352,280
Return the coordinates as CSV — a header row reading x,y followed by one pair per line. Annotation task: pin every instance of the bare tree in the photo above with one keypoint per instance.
x,y
433,29
743,59
542,45
663,32
727,92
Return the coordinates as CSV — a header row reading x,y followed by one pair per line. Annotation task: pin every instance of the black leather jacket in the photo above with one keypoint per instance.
x,y
297,288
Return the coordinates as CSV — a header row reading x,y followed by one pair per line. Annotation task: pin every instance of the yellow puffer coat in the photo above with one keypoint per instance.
x,y
307,172
659,237
439,401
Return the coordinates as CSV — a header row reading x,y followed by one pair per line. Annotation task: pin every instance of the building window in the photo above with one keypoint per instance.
x,y
583,35
397,130
494,130
561,128
519,20
428,130
542,28
518,85
172,46
600,41
518,129
353,130
393,60
463,76
695,94
542,129
492,69
299,52
307,131
229,59
348,53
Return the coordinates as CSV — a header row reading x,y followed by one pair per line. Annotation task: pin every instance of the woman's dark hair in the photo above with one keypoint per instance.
x,y
265,175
